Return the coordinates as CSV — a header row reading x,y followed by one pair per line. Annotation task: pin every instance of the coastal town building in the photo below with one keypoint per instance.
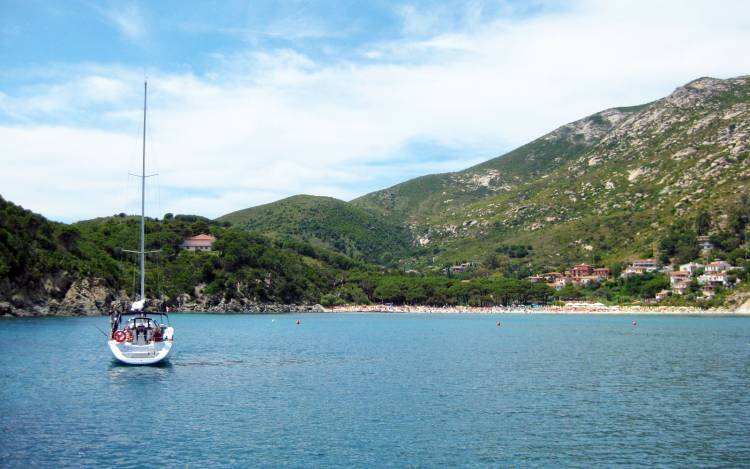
x,y
679,276
681,288
640,267
550,277
460,268
662,295
201,242
562,281
717,266
649,264
581,270
580,274
632,270
714,279
602,273
691,267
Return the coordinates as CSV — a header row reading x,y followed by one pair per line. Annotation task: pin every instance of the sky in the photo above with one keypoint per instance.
x,y
251,102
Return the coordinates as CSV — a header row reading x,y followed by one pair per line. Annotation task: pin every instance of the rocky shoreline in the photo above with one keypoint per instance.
x,y
62,296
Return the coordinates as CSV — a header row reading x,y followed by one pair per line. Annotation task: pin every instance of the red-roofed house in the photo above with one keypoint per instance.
x,y
202,242
679,276
602,273
581,270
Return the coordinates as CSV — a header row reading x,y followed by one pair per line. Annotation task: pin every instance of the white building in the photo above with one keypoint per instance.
x,y
691,267
718,266
714,278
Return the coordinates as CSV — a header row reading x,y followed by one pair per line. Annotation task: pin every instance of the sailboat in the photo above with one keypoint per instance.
x,y
140,340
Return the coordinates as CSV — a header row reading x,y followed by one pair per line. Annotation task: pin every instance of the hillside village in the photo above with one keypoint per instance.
x,y
702,281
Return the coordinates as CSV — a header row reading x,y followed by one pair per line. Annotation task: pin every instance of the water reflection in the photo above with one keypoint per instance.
x,y
121,373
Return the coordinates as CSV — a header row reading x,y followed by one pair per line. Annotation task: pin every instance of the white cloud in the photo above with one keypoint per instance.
x,y
126,17
264,125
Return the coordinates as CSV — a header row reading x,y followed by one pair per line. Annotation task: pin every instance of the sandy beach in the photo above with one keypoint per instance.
x,y
569,308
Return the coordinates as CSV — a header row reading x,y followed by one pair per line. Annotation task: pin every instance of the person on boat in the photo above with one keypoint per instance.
x,y
140,329
114,321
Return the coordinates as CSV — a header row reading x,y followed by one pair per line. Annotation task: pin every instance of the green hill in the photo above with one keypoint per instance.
x,y
357,232
600,189
51,268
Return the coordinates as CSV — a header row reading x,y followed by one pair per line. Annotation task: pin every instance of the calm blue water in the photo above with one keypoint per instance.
x,y
382,390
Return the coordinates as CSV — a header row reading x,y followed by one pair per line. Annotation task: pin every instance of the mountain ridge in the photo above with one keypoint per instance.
x,y
504,194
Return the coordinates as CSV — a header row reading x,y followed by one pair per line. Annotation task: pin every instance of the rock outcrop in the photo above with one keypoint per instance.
x,y
61,296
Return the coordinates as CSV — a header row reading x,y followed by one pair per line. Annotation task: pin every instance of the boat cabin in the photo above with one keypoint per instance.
x,y
139,330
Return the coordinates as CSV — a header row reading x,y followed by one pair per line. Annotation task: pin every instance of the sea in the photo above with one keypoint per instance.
x,y
382,390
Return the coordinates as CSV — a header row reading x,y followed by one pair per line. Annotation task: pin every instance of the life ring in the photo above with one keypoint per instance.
x,y
119,336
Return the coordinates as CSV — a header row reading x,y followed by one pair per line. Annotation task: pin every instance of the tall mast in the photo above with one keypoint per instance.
x,y
143,199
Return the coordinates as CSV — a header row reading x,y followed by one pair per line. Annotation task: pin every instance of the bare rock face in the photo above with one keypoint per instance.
x,y
744,308
87,297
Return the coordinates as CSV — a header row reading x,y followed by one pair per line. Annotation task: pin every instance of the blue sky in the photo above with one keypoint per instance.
x,y
256,101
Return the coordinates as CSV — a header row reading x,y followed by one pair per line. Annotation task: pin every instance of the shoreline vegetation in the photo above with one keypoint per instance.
x,y
570,308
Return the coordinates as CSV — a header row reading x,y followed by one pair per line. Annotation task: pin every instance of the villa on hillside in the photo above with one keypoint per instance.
x,y
560,282
581,274
678,276
714,279
649,264
459,268
662,295
550,277
680,281
718,266
201,242
681,287
640,267
691,267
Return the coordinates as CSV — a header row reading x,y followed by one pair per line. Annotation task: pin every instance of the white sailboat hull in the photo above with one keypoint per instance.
x,y
147,354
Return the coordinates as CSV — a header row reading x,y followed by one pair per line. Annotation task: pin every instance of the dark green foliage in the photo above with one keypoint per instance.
x,y
570,292
702,223
32,248
355,232
442,291
514,251
680,244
